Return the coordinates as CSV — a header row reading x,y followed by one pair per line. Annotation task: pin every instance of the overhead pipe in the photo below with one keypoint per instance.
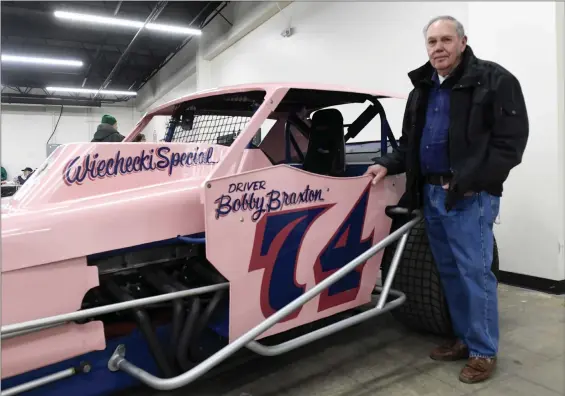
x,y
95,58
188,68
159,7
44,101
117,8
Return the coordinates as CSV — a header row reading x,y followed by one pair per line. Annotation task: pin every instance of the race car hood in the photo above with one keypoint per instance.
x,y
95,197
86,171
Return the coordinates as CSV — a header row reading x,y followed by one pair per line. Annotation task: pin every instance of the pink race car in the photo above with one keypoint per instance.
x,y
128,263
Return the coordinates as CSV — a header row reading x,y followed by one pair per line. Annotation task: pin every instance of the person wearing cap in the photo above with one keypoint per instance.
x,y
26,173
107,131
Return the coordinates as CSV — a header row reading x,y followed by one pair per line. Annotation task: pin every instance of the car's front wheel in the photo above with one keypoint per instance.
x,y
417,276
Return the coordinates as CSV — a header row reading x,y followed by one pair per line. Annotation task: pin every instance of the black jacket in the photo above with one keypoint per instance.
x,y
107,133
487,135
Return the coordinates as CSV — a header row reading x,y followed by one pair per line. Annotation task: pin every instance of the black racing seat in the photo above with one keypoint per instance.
x,y
326,145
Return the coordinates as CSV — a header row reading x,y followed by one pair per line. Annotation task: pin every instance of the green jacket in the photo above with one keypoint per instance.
x,y
4,174
106,133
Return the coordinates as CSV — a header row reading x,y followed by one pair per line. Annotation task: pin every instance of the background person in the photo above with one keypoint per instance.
x,y
107,131
26,173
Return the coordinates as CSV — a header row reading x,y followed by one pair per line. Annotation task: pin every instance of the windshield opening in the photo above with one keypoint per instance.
x,y
213,120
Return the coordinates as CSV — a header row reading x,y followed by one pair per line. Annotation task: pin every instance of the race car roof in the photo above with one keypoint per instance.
x,y
310,96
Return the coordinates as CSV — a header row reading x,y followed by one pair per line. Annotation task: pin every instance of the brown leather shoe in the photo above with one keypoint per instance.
x,y
477,370
450,351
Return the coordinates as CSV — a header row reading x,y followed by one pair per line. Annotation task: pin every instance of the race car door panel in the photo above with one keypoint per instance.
x,y
275,233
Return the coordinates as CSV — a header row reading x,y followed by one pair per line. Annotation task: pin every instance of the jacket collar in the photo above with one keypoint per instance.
x,y
464,74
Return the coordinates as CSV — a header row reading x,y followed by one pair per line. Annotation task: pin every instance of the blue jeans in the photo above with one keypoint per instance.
x,y
462,243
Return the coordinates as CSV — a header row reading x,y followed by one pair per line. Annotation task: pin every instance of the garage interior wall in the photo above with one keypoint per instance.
x,y
372,45
26,129
560,22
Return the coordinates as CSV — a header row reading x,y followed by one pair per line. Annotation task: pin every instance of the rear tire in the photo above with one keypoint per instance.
x,y
425,308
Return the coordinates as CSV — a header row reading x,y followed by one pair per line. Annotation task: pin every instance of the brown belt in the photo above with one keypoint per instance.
x,y
438,180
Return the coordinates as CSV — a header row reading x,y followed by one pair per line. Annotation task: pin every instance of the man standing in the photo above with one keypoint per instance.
x,y
465,127
107,131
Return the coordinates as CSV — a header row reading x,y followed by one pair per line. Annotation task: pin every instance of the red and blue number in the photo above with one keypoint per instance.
x,y
278,241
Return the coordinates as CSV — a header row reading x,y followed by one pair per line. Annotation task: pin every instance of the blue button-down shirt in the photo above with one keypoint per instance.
x,y
434,147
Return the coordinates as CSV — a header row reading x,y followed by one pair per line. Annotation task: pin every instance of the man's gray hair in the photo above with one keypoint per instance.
x,y
458,25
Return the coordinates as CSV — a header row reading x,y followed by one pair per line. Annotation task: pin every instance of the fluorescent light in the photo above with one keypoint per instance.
x,y
97,19
125,23
41,61
90,91
173,29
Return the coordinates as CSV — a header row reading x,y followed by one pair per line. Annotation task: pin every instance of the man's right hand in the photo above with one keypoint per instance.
x,y
377,171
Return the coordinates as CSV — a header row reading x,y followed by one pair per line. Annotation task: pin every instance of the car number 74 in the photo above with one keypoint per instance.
x,y
279,240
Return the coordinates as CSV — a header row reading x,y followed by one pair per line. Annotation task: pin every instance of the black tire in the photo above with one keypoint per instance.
x,y
425,309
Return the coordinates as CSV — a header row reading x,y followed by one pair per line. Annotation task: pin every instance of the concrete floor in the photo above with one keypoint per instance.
x,y
382,358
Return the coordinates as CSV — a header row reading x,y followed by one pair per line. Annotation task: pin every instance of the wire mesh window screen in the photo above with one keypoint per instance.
x,y
209,129
216,119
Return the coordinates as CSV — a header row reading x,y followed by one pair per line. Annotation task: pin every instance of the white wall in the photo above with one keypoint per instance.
x,y
560,23
530,233
25,130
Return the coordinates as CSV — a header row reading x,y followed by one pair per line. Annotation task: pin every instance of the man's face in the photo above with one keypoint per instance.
x,y
115,126
444,46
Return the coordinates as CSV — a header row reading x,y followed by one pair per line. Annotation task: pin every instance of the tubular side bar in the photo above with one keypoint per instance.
x,y
379,309
118,361
16,390
16,329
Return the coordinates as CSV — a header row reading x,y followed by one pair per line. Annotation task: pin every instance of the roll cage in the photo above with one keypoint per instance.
x,y
220,120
